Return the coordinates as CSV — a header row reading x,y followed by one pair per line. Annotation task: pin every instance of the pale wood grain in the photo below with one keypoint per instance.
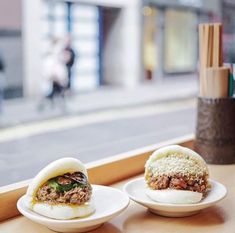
x,y
217,45
136,219
210,54
217,82
201,58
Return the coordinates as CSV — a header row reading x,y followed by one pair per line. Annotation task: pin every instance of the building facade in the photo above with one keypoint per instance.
x,y
11,51
105,35
117,43
170,34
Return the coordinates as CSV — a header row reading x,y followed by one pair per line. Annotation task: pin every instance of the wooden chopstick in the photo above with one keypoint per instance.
x,y
221,45
217,45
210,45
206,45
202,58
211,57
218,82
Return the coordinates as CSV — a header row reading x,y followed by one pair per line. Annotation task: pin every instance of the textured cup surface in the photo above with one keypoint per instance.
x,y
215,132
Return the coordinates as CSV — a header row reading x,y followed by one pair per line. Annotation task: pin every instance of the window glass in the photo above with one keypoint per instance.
x,y
60,10
85,12
180,41
151,58
84,35
93,80
59,28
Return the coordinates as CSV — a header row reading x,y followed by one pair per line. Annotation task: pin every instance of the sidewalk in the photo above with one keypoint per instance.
x,y
20,111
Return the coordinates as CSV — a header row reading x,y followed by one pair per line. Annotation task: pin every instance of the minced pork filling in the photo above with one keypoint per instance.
x,y
178,182
70,188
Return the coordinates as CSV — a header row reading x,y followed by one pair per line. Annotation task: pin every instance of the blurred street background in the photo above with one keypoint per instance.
x,y
94,78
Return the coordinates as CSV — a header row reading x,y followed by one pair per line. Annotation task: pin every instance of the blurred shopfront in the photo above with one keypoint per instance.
x,y
170,43
105,37
82,22
11,54
117,43
229,30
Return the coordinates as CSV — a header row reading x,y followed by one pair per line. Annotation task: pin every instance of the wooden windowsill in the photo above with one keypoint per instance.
x,y
219,218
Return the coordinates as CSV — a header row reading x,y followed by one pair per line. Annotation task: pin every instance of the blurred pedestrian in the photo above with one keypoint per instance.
x,y
54,72
69,57
2,79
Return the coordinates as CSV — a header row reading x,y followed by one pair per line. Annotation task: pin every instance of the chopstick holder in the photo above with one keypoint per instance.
x,y
215,130
217,82
211,56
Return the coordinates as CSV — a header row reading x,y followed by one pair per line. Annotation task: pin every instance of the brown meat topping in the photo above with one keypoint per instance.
x,y
178,182
62,180
78,194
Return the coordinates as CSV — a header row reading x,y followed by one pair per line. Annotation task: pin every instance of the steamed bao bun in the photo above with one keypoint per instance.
x,y
59,210
177,175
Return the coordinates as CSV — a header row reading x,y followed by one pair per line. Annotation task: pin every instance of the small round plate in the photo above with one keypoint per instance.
x,y
136,190
109,202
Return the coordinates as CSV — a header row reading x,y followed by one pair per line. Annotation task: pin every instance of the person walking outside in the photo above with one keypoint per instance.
x,y
69,56
54,73
2,80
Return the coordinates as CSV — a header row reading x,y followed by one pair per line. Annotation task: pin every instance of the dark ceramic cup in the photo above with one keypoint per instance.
x,y
215,132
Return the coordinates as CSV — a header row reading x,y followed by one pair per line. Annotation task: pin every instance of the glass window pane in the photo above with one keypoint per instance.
x,y
150,53
46,9
59,28
83,11
87,63
60,9
180,41
85,81
46,26
85,29
86,47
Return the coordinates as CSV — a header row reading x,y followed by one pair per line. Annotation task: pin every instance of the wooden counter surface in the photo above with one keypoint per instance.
x,y
136,219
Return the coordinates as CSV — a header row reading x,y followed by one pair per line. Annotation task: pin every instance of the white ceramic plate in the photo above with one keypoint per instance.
x,y
136,190
109,202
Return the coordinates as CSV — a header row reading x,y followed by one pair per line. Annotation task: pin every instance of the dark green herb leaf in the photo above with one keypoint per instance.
x,y
63,188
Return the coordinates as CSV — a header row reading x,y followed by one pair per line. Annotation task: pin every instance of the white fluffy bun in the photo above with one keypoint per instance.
x,y
174,196
172,149
171,161
62,211
56,168
59,211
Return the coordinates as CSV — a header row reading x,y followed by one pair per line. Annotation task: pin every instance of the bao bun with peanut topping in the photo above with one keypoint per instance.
x,y
61,190
177,175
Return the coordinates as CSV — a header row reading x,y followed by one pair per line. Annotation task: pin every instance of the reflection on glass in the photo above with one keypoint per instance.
x,y
180,41
150,54
82,22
